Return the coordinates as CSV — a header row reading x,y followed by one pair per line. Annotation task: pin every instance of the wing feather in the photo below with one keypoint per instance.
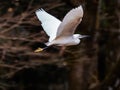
x,y
49,23
70,22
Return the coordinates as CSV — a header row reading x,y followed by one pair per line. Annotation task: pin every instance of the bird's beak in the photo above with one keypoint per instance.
x,y
38,50
83,36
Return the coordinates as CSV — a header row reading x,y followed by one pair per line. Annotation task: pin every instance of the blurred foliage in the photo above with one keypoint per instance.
x,y
92,65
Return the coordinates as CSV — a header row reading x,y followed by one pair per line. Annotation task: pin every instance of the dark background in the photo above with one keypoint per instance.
x,y
92,65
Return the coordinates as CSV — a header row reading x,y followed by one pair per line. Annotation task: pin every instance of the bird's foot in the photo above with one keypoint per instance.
x,y
38,50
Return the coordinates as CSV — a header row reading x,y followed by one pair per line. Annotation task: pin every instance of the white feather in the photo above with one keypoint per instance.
x,y
62,33
49,23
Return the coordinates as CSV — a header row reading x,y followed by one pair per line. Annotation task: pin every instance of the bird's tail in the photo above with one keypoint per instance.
x,y
83,36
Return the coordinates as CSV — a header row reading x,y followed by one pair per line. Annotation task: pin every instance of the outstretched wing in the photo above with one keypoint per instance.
x,y
49,23
70,22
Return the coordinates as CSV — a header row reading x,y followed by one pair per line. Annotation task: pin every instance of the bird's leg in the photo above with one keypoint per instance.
x,y
62,50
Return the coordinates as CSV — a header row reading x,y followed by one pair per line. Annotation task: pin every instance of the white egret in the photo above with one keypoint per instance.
x,y
61,33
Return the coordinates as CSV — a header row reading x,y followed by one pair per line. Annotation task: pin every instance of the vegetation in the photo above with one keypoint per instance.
x,y
92,65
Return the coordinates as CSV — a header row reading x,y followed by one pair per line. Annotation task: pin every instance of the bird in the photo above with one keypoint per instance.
x,y
61,33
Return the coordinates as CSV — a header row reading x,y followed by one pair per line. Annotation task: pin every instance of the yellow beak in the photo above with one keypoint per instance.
x,y
38,50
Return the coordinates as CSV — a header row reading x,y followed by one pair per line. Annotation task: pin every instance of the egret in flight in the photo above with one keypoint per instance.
x,y
61,33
